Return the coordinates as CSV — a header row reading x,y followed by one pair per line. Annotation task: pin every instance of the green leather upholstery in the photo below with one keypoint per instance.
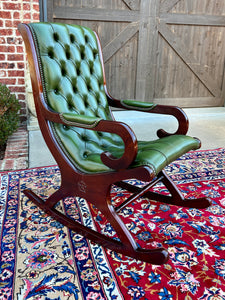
x,y
138,105
72,77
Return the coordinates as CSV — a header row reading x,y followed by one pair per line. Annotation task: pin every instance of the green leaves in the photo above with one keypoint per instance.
x,y
9,113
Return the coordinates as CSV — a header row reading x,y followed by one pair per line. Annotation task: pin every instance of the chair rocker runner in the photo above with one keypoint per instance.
x,y
93,151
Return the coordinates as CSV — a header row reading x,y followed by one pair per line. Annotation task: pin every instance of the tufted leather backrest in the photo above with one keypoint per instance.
x,y
73,82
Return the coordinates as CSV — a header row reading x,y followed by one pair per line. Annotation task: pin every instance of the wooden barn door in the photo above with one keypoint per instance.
x,y
163,51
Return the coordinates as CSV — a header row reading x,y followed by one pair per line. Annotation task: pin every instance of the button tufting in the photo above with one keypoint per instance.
x,y
78,71
82,54
95,53
68,54
85,154
50,52
65,127
56,90
88,83
72,38
86,38
82,51
63,71
75,89
91,66
70,103
55,36
84,138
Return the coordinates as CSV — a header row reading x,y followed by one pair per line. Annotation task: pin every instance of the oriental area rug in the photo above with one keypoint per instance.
x,y
41,259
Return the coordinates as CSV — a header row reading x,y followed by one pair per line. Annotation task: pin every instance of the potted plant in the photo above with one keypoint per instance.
x,y
9,115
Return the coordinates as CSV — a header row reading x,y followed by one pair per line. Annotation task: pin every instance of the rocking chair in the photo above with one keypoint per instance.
x,y
92,150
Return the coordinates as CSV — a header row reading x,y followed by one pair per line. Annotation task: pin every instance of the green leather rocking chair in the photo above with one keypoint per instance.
x,y
92,150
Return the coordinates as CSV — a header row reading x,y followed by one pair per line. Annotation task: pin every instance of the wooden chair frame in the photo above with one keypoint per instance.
x,y
96,188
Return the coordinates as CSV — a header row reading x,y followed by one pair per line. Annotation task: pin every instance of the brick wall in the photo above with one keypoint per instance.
x,y
12,53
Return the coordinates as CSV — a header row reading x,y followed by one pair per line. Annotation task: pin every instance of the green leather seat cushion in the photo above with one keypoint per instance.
x,y
86,154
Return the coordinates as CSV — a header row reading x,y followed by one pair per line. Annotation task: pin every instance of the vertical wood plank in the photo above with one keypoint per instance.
x,y
50,11
147,50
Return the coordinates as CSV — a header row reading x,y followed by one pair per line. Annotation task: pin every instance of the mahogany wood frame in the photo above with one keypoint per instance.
x,y
96,188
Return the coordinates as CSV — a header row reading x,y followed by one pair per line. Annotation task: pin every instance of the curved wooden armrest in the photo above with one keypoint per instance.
x,y
97,124
130,144
174,111
178,113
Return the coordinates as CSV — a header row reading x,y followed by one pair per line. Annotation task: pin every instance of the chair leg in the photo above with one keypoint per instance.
x,y
126,246
175,197
178,199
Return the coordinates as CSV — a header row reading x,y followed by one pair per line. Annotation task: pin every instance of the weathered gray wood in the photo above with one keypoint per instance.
x,y
191,102
185,19
120,40
166,51
67,13
167,5
50,11
182,51
223,88
132,4
147,50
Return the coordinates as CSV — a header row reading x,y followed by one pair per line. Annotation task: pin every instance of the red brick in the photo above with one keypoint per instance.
x,y
20,65
27,16
16,89
5,14
2,40
6,65
12,23
26,6
16,73
21,97
16,15
21,81
8,81
15,57
6,32
11,6
4,48
12,64
8,23
36,7
11,40
2,73
35,16
19,49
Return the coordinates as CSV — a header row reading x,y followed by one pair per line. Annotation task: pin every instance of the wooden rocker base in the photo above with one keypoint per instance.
x,y
175,197
156,256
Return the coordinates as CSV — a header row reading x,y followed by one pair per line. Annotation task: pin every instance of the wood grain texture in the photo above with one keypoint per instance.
x,y
156,50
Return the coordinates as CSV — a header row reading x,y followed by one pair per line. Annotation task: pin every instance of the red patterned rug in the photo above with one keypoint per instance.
x,y
41,259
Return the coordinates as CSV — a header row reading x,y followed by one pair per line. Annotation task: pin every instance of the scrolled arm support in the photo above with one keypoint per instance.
x,y
130,144
178,113
97,124
174,111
